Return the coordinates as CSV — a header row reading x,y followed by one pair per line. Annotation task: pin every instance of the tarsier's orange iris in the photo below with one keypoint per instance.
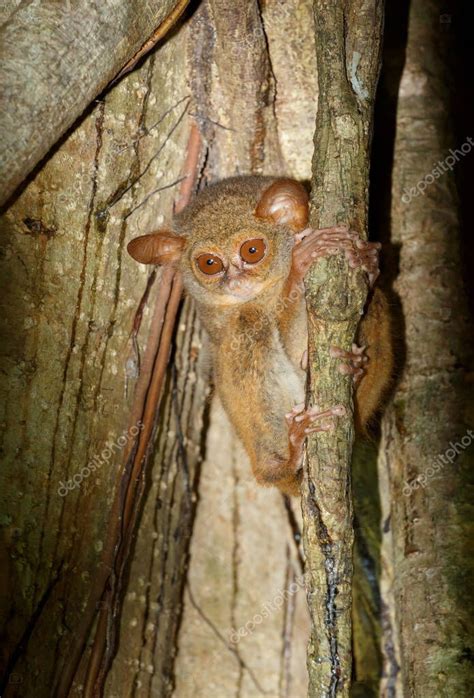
x,y
252,251
209,264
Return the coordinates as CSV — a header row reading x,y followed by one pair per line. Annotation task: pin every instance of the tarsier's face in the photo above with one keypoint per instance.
x,y
234,241
234,272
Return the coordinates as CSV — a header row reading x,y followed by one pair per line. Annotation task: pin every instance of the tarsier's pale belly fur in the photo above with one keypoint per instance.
x,y
249,372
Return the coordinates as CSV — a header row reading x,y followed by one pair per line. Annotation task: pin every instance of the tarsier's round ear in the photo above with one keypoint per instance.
x,y
285,202
163,247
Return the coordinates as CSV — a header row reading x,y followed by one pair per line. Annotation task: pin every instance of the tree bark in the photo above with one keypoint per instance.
x,y
77,338
250,638
348,38
55,59
77,321
424,483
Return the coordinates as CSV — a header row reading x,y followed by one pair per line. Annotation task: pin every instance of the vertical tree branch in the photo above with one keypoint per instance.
x,y
348,42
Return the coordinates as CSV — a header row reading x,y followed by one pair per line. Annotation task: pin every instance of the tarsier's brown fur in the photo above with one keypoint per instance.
x,y
255,314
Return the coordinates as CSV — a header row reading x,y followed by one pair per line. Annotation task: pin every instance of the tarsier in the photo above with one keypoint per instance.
x,y
243,247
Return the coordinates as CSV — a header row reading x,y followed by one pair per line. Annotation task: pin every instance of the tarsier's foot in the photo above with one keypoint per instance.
x,y
312,244
302,422
356,361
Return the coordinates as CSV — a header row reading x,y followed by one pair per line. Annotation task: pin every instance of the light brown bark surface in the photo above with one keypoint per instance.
x,y
56,57
72,355
72,343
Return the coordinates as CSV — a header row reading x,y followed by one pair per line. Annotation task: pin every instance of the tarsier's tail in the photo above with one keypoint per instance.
x,y
375,332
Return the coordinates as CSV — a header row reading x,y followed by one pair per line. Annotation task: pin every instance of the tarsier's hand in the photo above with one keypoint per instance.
x,y
312,244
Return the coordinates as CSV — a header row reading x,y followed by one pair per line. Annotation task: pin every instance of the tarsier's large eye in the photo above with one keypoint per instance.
x,y
252,251
209,264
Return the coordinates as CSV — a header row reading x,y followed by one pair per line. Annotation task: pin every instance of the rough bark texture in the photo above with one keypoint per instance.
x,y
348,37
77,328
56,57
426,499
249,638
74,331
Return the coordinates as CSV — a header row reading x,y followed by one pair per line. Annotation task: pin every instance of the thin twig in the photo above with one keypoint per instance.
x,y
158,34
147,131
155,191
199,117
121,192
219,635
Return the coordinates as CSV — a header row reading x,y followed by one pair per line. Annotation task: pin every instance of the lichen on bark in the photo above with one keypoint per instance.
x,y
348,58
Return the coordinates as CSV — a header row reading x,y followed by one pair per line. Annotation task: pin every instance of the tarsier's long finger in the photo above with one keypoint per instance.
x,y
341,237
364,254
313,231
356,373
364,244
315,413
324,248
327,426
297,409
327,416
368,261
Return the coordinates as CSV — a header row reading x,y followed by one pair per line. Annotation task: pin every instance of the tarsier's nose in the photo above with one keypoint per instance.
x,y
234,269
236,279
236,262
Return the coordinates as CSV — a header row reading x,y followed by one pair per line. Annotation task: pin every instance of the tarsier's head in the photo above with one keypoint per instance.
x,y
233,241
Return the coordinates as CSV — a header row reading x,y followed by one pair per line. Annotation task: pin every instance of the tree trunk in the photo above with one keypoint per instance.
x,y
248,638
206,596
76,347
56,58
426,447
348,39
77,324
